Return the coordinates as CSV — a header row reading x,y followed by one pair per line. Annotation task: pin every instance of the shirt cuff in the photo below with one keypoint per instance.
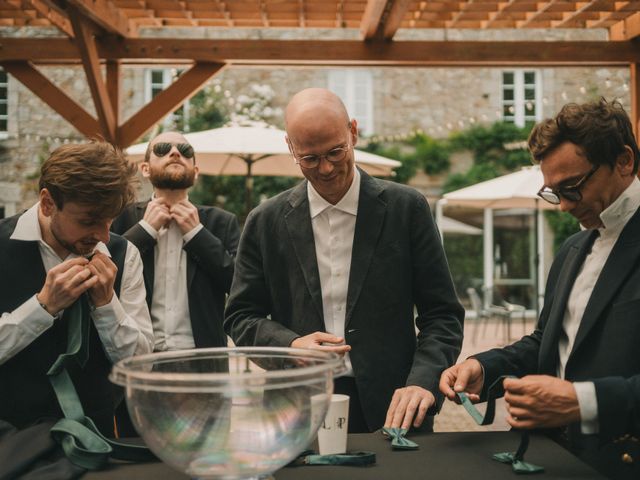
x,y
150,230
588,403
104,318
39,319
186,238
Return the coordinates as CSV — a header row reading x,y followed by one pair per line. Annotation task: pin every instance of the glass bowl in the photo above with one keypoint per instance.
x,y
228,413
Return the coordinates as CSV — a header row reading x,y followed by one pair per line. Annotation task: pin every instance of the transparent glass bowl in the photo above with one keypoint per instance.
x,y
228,413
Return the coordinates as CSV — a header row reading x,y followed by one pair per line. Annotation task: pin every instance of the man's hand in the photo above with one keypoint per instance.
x,y
540,401
186,216
157,214
464,377
104,270
65,283
321,341
408,404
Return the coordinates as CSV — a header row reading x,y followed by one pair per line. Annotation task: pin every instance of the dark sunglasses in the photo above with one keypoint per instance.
x,y
160,149
572,192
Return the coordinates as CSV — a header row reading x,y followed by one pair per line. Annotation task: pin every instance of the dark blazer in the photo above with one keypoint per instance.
x,y
210,263
397,263
606,349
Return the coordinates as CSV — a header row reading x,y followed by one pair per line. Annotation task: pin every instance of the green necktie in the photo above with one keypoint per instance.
x,y
516,459
81,441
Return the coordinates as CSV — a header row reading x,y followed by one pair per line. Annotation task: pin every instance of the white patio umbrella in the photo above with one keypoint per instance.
x,y
456,227
255,150
514,190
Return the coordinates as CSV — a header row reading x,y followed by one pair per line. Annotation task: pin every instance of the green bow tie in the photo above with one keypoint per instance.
x,y
398,440
516,459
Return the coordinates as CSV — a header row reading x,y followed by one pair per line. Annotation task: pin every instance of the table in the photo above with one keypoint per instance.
x,y
441,456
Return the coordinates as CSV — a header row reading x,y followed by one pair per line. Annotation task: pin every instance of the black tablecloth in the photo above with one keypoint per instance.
x,y
440,456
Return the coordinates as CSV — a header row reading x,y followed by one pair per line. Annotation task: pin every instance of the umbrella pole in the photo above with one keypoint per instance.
x,y
248,188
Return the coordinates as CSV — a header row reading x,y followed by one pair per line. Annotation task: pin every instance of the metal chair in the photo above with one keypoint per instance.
x,y
485,314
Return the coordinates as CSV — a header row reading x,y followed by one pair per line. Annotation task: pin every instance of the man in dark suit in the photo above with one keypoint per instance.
x,y
338,263
187,250
580,369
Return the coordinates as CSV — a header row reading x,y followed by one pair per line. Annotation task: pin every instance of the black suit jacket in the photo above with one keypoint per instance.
x,y
606,349
397,264
210,264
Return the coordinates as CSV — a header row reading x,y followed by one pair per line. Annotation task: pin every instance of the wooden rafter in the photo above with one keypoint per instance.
x,y
302,21
627,29
621,11
330,52
371,18
225,13
114,86
52,12
166,101
635,97
395,17
106,15
91,63
588,11
50,94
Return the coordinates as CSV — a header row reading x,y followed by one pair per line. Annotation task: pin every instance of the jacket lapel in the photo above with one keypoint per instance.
x,y
548,357
191,264
371,214
298,222
147,255
622,261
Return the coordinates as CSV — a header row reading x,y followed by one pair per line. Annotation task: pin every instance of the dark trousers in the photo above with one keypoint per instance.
x,y
347,386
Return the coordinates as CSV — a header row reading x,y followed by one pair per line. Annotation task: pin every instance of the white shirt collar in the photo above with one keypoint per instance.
x,y
28,230
616,215
347,204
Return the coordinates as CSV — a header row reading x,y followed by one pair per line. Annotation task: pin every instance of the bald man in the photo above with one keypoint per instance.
x,y
338,263
188,251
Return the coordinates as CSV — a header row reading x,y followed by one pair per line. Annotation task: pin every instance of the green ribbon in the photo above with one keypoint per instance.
x,y
81,441
515,459
398,439
353,459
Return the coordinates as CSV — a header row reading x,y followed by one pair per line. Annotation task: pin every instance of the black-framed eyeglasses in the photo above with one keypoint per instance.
x,y
160,149
335,155
572,193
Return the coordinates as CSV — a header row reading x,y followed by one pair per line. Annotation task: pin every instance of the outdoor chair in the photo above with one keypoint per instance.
x,y
485,314
514,310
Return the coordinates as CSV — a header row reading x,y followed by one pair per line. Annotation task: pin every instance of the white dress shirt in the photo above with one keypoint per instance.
x,y
123,324
170,304
613,218
333,231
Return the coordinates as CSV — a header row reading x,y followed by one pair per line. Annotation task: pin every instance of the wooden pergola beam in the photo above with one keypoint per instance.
x,y
91,63
51,12
166,101
626,29
394,18
339,52
635,98
371,18
106,15
114,86
50,94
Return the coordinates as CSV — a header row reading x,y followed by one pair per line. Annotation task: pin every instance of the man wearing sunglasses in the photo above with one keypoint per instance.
x,y
579,371
187,250
338,263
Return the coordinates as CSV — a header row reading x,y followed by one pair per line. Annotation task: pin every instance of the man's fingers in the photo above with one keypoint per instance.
x,y
323,337
336,349
447,381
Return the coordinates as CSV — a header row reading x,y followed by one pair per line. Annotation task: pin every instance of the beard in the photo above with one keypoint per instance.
x,y
172,180
81,247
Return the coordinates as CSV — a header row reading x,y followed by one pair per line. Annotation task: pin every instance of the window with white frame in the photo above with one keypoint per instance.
x,y
156,80
4,104
521,96
355,88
